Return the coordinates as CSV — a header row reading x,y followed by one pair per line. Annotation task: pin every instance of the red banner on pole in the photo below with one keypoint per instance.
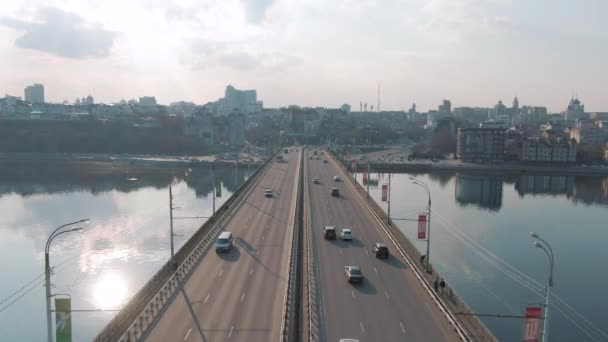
x,y
364,177
422,227
384,192
532,324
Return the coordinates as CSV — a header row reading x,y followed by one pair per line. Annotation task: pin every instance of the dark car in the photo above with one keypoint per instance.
x,y
325,161
335,192
329,232
380,250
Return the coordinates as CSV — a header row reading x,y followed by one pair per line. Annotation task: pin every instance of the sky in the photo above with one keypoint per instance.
x,y
310,52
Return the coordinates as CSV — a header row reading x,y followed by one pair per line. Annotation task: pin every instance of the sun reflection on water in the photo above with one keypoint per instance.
x,y
110,291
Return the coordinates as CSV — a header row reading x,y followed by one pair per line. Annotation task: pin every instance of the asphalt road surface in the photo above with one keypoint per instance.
x,y
390,304
238,296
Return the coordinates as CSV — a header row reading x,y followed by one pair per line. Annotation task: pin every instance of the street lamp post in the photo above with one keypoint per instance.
x,y
428,237
47,273
544,245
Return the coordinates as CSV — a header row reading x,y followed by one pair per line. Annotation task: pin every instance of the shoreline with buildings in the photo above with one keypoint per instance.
x,y
487,168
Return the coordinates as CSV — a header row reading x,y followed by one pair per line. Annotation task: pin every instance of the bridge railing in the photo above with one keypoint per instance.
x,y
475,329
145,307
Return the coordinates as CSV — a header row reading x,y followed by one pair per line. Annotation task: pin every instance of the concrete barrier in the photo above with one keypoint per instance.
x,y
474,328
291,309
144,308
311,308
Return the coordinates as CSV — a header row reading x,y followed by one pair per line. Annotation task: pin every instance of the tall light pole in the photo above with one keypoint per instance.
x,y
171,219
544,245
428,236
388,218
214,185
47,272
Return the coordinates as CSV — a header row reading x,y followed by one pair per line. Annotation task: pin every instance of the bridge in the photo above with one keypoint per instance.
x,y
283,281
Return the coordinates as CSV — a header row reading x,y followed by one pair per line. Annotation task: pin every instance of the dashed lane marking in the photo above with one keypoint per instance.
x,y
187,334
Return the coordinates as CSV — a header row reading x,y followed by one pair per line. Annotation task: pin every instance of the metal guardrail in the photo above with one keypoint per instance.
x,y
145,307
290,323
476,330
310,291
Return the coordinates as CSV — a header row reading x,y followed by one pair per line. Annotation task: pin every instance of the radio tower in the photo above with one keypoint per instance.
x,y
378,107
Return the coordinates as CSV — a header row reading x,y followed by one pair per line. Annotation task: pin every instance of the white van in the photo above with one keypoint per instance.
x,y
224,242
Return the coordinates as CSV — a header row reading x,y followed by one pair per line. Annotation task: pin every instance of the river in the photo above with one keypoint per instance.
x,y
480,228
102,266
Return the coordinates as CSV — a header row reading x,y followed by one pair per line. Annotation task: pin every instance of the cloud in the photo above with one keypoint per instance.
x,y
256,9
201,54
62,34
456,18
239,60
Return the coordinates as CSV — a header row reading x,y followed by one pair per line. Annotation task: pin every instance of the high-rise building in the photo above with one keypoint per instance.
x,y
481,145
548,150
34,93
445,108
244,101
587,132
147,101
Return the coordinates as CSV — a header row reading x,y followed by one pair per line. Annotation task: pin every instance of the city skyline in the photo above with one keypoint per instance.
x,y
471,52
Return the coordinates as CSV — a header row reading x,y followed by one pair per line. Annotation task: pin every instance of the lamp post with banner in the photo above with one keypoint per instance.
x,y
47,271
428,235
544,245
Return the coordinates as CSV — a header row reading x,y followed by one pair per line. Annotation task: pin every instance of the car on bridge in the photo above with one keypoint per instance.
x,y
346,234
268,192
325,161
315,180
224,242
329,232
353,274
380,250
336,178
335,192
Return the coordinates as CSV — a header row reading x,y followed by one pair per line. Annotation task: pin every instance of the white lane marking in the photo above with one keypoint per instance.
x,y
352,293
375,270
230,333
187,334
361,325
402,328
386,294
220,274
243,296
251,271
206,298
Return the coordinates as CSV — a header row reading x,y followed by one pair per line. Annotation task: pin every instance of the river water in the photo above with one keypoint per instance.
x,y
100,267
480,221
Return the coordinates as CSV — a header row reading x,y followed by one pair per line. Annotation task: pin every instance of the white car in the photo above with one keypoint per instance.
x,y
346,234
336,178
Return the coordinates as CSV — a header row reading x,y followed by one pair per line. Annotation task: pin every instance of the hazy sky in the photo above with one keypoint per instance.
x,y
310,52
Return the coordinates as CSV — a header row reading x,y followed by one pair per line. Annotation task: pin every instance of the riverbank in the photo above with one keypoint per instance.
x,y
450,165
124,160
